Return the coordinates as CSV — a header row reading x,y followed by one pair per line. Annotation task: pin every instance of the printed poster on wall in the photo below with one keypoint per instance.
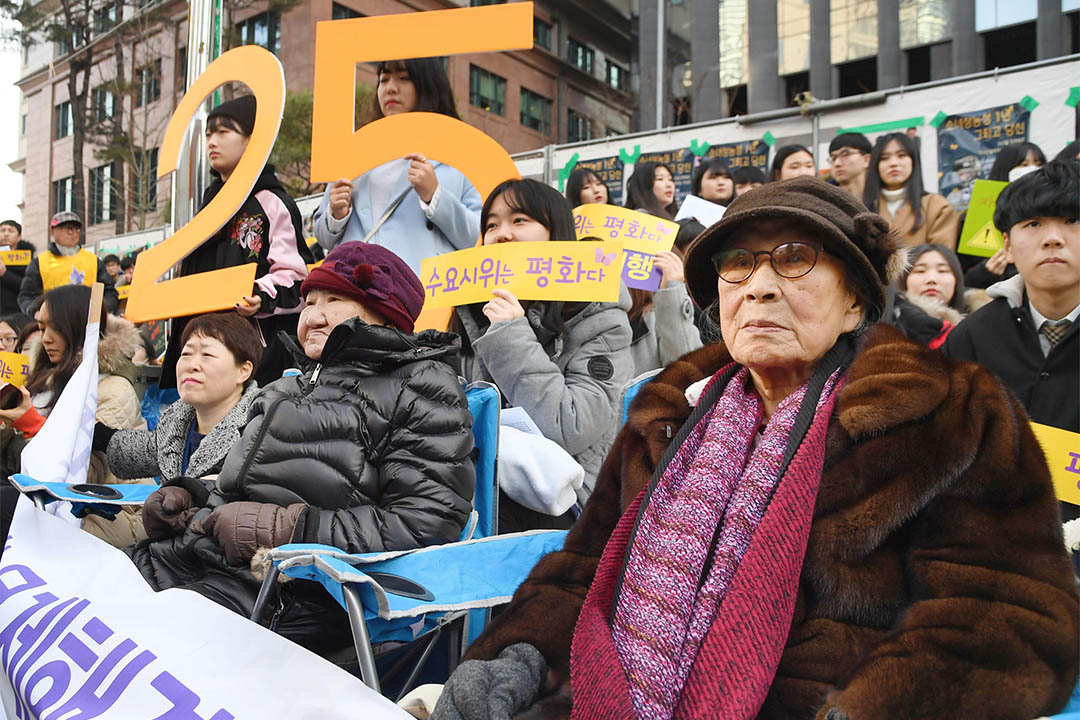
x,y
681,162
969,142
747,153
610,172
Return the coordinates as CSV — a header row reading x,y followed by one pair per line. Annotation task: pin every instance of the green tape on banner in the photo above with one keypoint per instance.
x,y
885,126
768,138
1029,103
699,149
564,174
938,119
630,158
1074,97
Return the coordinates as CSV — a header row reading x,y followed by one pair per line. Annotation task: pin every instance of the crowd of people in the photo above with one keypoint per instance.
x,y
757,539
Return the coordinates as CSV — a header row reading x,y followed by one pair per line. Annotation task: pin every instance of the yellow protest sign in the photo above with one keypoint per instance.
x,y
571,271
979,236
219,289
1062,449
641,234
15,257
123,292
14,368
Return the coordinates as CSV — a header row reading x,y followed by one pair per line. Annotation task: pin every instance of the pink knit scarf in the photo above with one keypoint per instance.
x,y
691,537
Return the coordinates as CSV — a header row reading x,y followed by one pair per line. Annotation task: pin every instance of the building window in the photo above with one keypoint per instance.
x,y
24,116
535,111
580,56
923,22
616,76
341,12
63,120
102,197
149,78
734,44
793,35
263,29
991,14
102,104
853,30
105,18
542,33
487,90
146,180
578,127
62,194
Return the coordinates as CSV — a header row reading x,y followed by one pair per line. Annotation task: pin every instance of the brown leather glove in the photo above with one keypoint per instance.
x,y
243,527
167,511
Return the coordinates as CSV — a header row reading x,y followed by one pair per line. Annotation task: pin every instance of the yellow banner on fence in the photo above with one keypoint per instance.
x,y
637,231
570,271
15,257
14,367
1062,450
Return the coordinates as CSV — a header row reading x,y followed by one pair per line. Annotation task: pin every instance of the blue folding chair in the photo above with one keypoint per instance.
x,y
416,595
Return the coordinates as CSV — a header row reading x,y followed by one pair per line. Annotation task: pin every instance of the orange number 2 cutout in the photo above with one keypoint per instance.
x,y
219,289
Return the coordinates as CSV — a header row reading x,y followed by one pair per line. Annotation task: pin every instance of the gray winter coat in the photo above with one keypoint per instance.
x,y
568,383
145,453
666,332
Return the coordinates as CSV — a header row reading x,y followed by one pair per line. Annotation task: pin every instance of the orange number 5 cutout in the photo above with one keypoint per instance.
x,y
220,289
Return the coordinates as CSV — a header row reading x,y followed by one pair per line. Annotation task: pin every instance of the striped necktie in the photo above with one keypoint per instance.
x,y
1054,332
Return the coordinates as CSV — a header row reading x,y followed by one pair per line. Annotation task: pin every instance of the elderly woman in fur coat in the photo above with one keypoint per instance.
x,y
817,519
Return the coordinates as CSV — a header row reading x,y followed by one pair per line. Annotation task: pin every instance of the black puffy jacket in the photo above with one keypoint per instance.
x,y
375,440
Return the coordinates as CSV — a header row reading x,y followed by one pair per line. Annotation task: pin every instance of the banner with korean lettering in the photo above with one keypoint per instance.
x,y
746,153
83,635
14,367
563,270
969,142
642,236
16,257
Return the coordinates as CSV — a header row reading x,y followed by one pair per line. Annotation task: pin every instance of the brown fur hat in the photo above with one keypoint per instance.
x,y
871,253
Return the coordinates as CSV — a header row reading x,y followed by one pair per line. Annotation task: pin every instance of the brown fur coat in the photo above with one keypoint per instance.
x,y
936,583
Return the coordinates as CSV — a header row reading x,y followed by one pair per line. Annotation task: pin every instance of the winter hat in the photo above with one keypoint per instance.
x,y
373,276
241,109
65,217
872,255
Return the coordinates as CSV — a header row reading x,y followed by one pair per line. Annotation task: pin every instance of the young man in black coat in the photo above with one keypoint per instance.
x,y
1029,335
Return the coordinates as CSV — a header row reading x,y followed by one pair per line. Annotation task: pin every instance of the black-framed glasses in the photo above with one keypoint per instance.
x,y
841,154
790,260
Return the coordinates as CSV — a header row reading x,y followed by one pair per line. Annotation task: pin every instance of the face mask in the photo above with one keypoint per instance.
x,y
1020,171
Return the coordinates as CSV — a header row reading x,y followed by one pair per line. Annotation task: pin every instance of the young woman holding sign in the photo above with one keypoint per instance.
x,y
564,363
413,205
266,230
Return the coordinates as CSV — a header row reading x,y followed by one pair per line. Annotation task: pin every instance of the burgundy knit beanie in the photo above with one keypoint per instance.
x,y
872,255
373,276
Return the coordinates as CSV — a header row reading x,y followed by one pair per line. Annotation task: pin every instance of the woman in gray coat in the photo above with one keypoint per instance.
x,y
564,363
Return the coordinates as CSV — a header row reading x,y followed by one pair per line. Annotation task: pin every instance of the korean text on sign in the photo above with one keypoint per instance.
x,y
641,234
14,367
571,271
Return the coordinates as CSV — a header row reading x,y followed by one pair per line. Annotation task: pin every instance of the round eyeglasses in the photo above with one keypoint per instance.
x,y
790,260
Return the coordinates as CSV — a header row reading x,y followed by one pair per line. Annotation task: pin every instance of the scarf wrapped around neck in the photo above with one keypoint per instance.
x,y
696,558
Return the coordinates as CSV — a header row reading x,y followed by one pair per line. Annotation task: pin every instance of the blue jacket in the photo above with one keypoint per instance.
x,y
454,223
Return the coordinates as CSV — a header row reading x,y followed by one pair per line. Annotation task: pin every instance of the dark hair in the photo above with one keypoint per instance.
x,y
577,181
110,258
716,166
18,321
127,262
216,122
12,223
957,300
1011,156
539,201
30,328
749,174
1069,152
854,140
433,93
1052,191
913,188
783,154
234,332
68,308
689,229
639,191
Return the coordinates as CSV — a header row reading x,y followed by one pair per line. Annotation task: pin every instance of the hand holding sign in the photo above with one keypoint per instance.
x,y
340,198
504,306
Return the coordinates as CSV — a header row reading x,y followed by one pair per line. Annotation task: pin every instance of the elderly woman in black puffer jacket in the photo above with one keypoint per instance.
x,y
368,450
